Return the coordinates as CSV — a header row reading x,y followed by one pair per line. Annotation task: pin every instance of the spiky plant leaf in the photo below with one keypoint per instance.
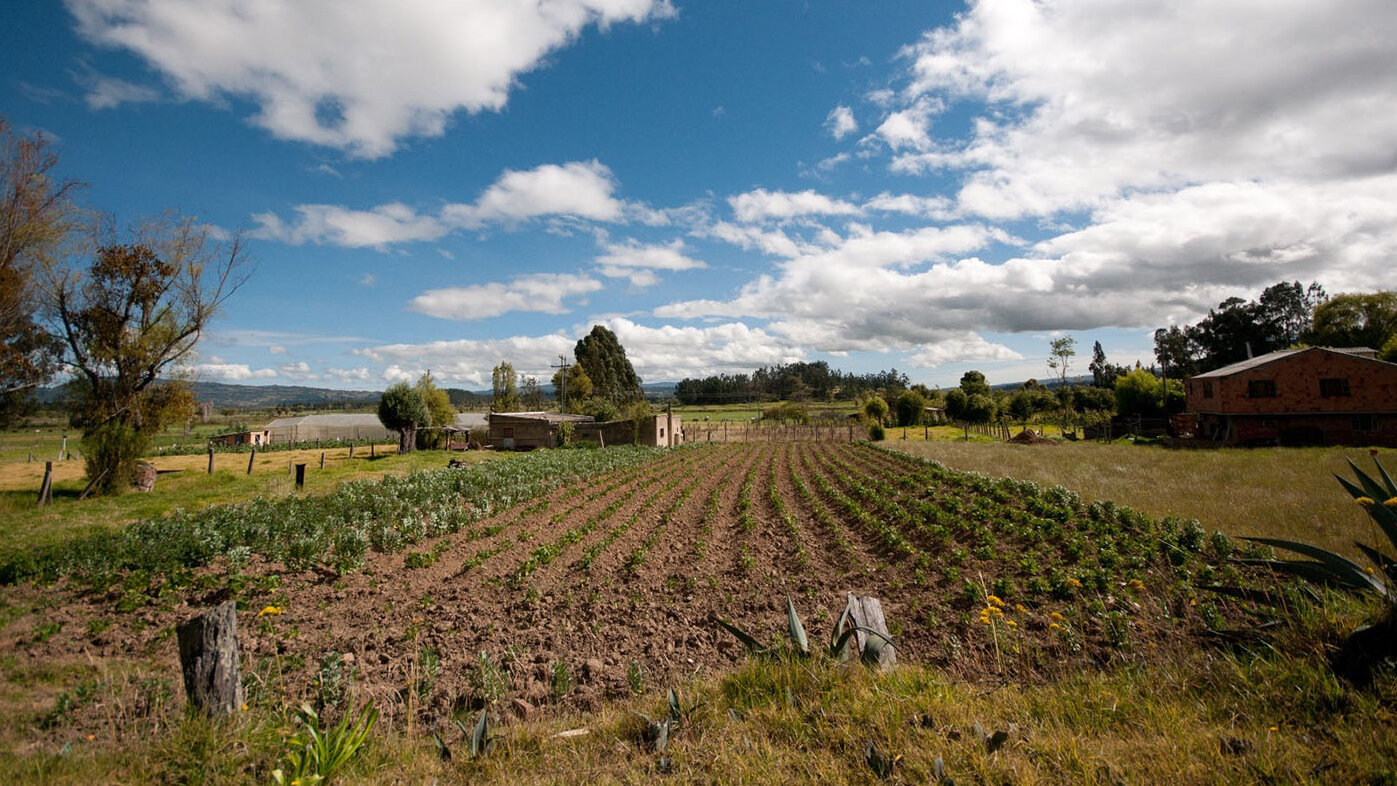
x,y
1371,487
675,711
797,630
839,639
1386,564
480,737
750,643
1338,568
1320,573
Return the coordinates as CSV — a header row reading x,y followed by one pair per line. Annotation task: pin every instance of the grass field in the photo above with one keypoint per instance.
x,y
626,569
1269,492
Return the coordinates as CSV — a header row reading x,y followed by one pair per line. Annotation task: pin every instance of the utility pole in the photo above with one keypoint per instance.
x,y
563,387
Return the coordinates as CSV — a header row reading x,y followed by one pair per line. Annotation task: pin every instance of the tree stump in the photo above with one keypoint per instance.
x,y
208,655
867,612
144,479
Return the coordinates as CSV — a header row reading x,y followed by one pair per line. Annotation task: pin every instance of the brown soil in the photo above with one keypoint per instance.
x,y
618,614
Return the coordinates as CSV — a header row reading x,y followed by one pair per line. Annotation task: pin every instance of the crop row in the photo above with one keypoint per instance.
x,y
336,529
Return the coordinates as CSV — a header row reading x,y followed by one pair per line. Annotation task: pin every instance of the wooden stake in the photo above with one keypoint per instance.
x,y
322,459
46,488
300,476
251,459
210,459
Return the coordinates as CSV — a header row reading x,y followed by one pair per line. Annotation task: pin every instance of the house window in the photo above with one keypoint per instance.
x,y
662,432
509,432
1207,388
1335,387
1261,388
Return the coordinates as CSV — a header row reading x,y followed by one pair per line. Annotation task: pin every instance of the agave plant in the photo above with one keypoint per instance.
x,y
840,644
1369,643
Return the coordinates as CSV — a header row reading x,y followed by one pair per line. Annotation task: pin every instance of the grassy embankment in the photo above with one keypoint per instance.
x,y
1268,711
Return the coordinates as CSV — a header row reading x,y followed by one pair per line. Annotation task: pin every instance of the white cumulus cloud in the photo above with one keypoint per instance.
x,y
352,74
544,293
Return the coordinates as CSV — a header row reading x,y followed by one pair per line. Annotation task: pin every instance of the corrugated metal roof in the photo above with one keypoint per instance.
x,y
339,419
1280,354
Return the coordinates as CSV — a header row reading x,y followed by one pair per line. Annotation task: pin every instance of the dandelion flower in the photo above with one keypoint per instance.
x,y
1137,584
268,610
1366,502
1019,607
1055,615
1011,623
994,601
1054,626
1074,584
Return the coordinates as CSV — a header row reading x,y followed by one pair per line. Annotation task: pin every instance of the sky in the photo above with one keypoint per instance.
x,y
920,185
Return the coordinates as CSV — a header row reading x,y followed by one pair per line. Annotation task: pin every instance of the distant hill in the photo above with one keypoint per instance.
x,y
222,395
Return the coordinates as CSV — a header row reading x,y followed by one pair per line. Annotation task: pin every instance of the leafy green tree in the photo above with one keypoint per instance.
x,y
36,215
980,408
911,406
126,319
1357,319
506,388
874,409
955,403
1103,372
604,360
402,409
440,413
573,390
1060,354
973,382
1142,393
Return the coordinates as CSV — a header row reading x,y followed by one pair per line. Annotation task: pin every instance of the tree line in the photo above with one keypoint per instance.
x,y
790,382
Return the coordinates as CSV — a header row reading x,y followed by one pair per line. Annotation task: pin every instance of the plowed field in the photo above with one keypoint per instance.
x,y
600,587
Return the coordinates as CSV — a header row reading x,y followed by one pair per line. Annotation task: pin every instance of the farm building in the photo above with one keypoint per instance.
x,y
1313,396
253,438
328,427
528,430
661,431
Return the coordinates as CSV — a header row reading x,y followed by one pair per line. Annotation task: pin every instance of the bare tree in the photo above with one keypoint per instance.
x,y
36,214
127,315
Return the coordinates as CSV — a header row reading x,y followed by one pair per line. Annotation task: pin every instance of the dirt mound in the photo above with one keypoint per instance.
x,y
1030,437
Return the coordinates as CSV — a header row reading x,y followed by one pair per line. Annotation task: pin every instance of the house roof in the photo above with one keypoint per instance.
x,y
337,419
550,417
1363,353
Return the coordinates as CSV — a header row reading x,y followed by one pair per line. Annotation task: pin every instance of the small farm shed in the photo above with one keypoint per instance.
x,y
1312,396
528,430
660,431
253,438
328,427
458,434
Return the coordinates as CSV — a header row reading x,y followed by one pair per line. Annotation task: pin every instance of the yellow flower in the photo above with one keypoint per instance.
x,y
268,610
1370,570
994,601
1056,616
1366,502
244,708
1019,607
1137,584
1011,623
1074,584
1054,626
1391,503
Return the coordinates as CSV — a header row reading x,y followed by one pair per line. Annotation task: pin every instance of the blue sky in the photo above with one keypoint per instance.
x,y
922,185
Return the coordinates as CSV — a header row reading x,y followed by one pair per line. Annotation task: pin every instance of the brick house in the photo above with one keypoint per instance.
x,y
1312,396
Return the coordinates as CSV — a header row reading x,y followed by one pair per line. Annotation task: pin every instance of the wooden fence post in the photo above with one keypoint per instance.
x,y
300,476
251,459
351,450
46,488
371,450
208,656
866,612
210,459
322,459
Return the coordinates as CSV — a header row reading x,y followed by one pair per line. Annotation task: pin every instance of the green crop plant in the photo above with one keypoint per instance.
x,y
314,755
